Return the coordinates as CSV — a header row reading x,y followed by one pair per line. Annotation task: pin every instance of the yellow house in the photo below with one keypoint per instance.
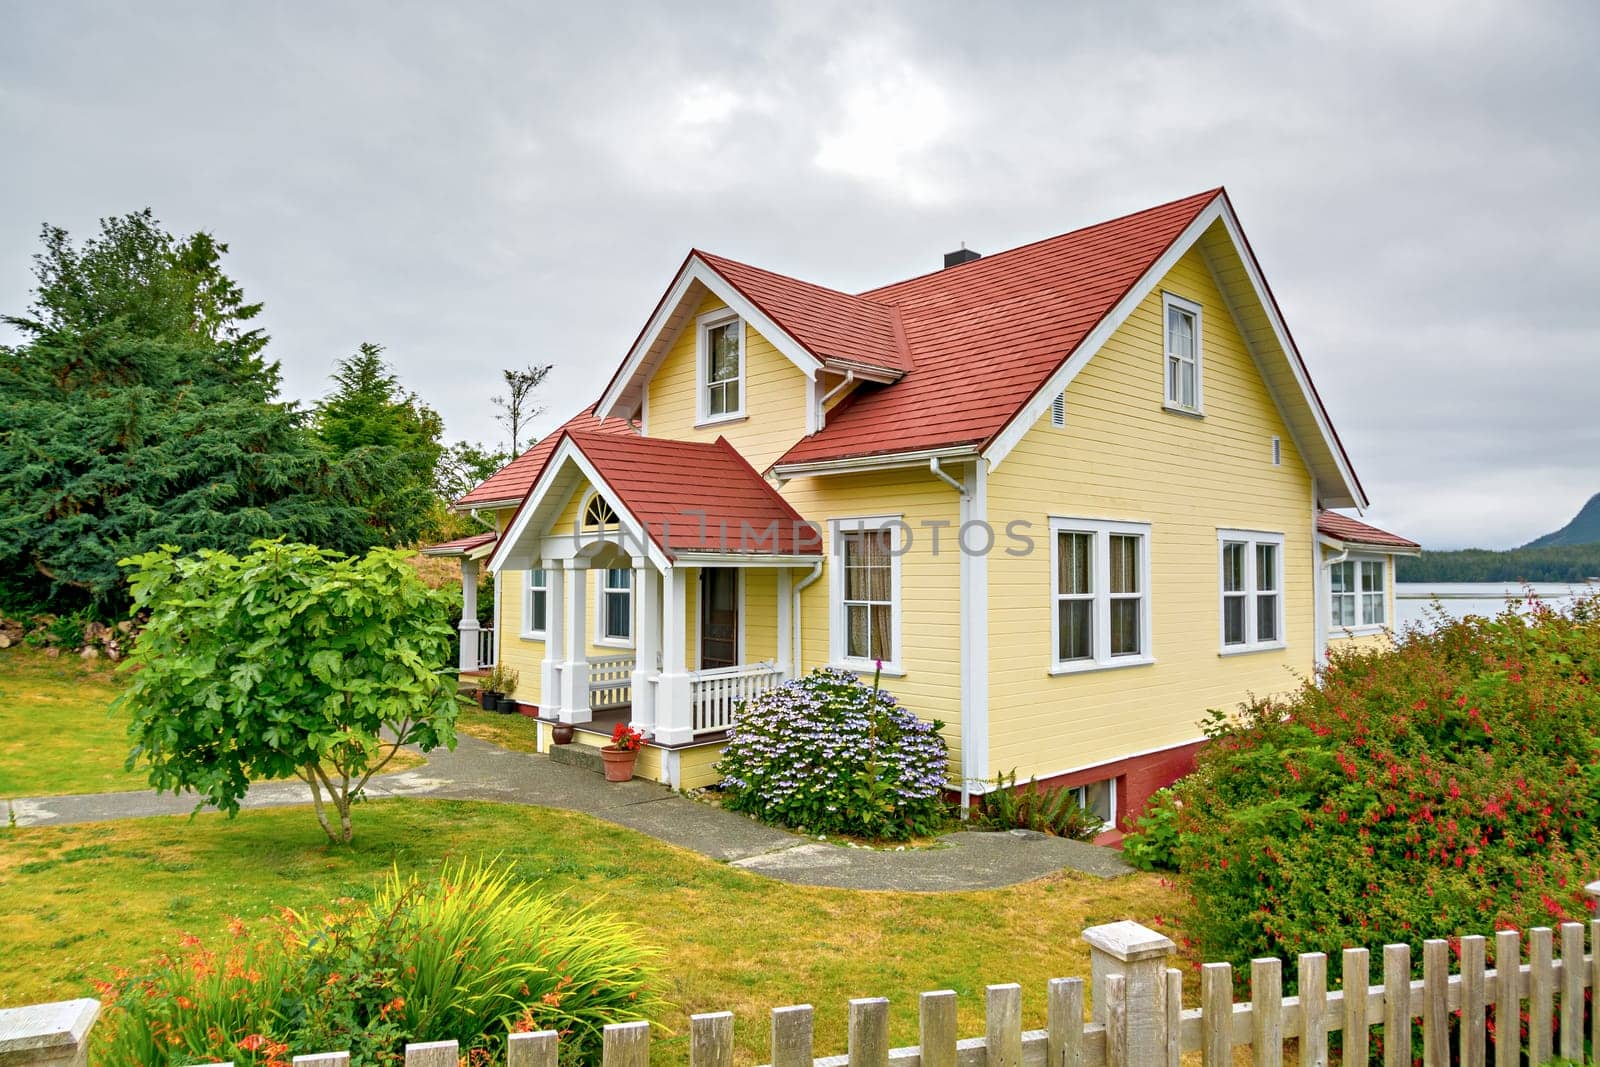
x,y
1070,496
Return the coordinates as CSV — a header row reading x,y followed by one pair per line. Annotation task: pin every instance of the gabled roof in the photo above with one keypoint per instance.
x,y
683,496
506,487
1344,529
986,334
835,327
697,497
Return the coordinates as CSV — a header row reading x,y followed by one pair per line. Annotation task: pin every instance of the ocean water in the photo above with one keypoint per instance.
x,y
1412,599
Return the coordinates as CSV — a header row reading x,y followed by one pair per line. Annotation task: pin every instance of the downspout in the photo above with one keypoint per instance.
x,y
939,472
794,615
936,468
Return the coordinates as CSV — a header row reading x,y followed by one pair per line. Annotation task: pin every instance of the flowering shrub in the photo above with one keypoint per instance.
x,y
1447,787
827,754
470,957
1153,845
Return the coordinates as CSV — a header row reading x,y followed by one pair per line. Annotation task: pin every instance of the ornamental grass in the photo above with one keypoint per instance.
x,y
470,956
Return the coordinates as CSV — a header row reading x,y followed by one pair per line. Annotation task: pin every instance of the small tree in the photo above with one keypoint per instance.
x,y
517,407
288,660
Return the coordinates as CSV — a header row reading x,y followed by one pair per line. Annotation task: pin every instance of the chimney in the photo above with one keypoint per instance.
x,y
963,255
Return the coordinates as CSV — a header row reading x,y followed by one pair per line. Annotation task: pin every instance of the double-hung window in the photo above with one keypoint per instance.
x,y
536,604
721,366
616,605
1181,342
866,592
1356,593
1252,590
1101,594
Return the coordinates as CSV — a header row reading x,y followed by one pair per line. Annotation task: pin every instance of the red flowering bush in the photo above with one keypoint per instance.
x,y
1450,786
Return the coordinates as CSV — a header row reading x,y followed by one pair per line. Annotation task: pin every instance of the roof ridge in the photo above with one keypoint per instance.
x,y
990,257
708,256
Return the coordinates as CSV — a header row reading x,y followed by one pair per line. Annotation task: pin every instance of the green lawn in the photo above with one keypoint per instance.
x,y
57,734
76,901
517,732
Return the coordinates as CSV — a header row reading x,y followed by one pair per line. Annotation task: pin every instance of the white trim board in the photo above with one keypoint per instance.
x,y
1024,419
568,452
669,316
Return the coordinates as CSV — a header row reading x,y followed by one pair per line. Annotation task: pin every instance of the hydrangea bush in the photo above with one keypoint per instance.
x,y
829,754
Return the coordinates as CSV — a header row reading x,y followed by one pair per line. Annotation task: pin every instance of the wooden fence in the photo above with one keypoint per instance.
x,y
1137,1017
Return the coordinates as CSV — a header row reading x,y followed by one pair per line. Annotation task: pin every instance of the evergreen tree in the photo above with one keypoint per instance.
x,y
140,411
371,420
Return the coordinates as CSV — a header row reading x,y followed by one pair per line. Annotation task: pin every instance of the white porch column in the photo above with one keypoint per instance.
x,y
575,671
469,614
647,643
785,622
555,634
674,715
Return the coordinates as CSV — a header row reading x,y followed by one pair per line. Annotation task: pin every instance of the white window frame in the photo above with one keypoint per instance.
x,y
1250,539
1102,658
601,589
1081,794
838,628
1170,402
1357,593
528,590
702,388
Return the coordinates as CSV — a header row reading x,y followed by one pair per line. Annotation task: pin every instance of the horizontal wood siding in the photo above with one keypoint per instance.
x,y
775,397
1122,457
930,584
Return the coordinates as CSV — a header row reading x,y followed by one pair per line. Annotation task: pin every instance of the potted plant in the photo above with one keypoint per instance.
x,y
507,685
561,732
621,753
488,696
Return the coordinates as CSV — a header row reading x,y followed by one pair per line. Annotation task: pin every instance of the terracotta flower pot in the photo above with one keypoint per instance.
x,y
619,762
561,733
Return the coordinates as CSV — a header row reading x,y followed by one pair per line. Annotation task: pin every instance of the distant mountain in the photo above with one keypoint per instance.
x,y
1584,529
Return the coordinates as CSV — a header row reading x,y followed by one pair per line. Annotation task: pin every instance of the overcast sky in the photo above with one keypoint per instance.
x,y
478,186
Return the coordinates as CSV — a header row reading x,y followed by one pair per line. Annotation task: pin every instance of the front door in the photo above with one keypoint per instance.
x,y
719,617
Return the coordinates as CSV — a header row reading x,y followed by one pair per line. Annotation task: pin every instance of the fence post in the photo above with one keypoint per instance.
x,y
47,1035
1139,955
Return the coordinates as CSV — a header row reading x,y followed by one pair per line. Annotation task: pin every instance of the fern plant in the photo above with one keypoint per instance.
x,y
1054,811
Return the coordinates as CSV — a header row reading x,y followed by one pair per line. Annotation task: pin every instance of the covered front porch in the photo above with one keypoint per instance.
x,y
692,633
656,584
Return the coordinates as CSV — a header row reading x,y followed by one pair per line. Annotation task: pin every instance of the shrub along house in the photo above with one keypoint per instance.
x,y
1071,496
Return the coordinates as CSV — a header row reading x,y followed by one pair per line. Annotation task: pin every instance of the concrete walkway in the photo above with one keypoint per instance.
x,y
479,770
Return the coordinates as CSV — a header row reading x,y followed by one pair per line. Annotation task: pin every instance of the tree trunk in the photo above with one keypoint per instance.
x,y
310,777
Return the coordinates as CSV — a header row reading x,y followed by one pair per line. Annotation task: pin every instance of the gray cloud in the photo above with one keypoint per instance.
x,y
476,186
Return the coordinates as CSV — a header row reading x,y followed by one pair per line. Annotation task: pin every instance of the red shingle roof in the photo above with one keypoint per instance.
x,y
511,483
694,496
986,334
461,545
830,324
1344,528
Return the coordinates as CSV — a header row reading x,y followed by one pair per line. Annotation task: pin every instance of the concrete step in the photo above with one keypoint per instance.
x,y
576,755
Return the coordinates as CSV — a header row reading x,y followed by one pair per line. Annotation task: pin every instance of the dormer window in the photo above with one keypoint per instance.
x,y
1181,335
721,366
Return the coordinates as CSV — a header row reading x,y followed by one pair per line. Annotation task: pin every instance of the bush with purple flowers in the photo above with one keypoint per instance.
x,y
829,754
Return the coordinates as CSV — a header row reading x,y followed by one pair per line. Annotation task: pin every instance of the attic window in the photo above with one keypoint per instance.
x,y
721,366
598,513
1058,410
1181,343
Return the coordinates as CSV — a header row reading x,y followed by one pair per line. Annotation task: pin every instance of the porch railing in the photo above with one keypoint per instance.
x,y
477,646
611,681
717,693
